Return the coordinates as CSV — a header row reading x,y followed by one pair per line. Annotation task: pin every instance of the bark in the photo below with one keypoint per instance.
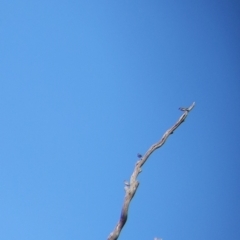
x,y
131,187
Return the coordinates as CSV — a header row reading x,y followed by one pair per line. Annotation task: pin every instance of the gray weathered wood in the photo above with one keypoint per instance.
x,y
131,187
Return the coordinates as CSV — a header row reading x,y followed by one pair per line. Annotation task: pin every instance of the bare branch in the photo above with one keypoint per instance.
x,y
131,187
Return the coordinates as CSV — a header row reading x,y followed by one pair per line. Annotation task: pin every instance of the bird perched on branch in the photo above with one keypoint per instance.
x,y
183,109
126,183
139,155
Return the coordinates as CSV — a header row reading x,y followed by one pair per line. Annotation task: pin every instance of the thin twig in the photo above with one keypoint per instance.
x,y
131,187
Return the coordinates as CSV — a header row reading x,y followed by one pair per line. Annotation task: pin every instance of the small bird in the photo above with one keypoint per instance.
x,y
183,109
139,155
126,183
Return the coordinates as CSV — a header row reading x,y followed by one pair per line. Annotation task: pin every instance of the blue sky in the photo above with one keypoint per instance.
x,y
86,85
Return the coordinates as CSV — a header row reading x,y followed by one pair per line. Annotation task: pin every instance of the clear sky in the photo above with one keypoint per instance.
x,y
86,85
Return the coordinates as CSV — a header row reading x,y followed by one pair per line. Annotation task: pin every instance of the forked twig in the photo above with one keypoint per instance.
x,y
131,187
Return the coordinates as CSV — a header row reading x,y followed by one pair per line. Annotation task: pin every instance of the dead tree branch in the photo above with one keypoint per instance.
x,y
131,187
